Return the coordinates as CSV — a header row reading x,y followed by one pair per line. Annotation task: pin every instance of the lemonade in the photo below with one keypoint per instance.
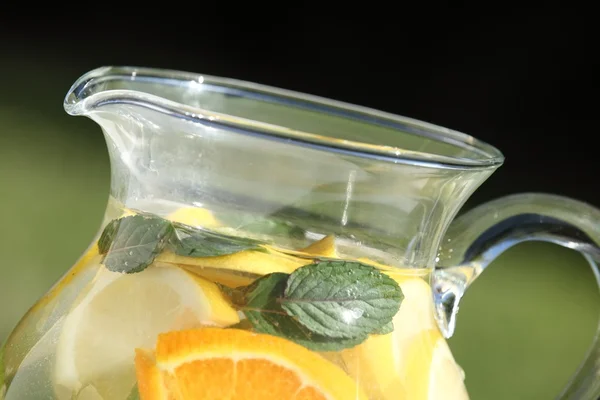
x,y
159,308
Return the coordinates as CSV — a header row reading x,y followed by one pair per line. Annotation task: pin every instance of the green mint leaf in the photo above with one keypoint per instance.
x,y
237,296
194,242
263,294
136,241
260,224
385,329
263,310
108,235
135,393
341,299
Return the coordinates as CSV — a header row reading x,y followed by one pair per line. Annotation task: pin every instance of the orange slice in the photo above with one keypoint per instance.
x,y
213,363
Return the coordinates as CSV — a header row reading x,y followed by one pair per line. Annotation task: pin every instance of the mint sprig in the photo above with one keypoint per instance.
x,y
327,306
264,313
193,242
130,244
341,299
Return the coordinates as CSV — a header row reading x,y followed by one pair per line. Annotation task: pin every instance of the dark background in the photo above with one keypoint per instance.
x,y
525,83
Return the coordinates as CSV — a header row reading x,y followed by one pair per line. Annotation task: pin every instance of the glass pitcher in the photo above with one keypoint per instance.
x,y
264,244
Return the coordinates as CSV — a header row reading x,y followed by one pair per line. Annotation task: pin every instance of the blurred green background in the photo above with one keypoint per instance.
x,y
522,329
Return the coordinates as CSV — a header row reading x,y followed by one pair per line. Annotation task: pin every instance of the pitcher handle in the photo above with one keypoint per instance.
x,y
478,237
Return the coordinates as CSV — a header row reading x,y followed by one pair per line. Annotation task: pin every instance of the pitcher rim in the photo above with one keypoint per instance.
x,y
83,97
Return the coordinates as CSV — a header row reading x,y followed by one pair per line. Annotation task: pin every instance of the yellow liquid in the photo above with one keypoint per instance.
x,y
79,340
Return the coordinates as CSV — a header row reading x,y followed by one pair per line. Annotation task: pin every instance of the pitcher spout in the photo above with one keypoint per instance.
x,y
144,86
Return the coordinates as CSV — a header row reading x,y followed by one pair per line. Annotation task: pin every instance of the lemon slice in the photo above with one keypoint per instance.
x,y
374,364
377,363
194,216
247,262
324,247
430,371
414,360
121,312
